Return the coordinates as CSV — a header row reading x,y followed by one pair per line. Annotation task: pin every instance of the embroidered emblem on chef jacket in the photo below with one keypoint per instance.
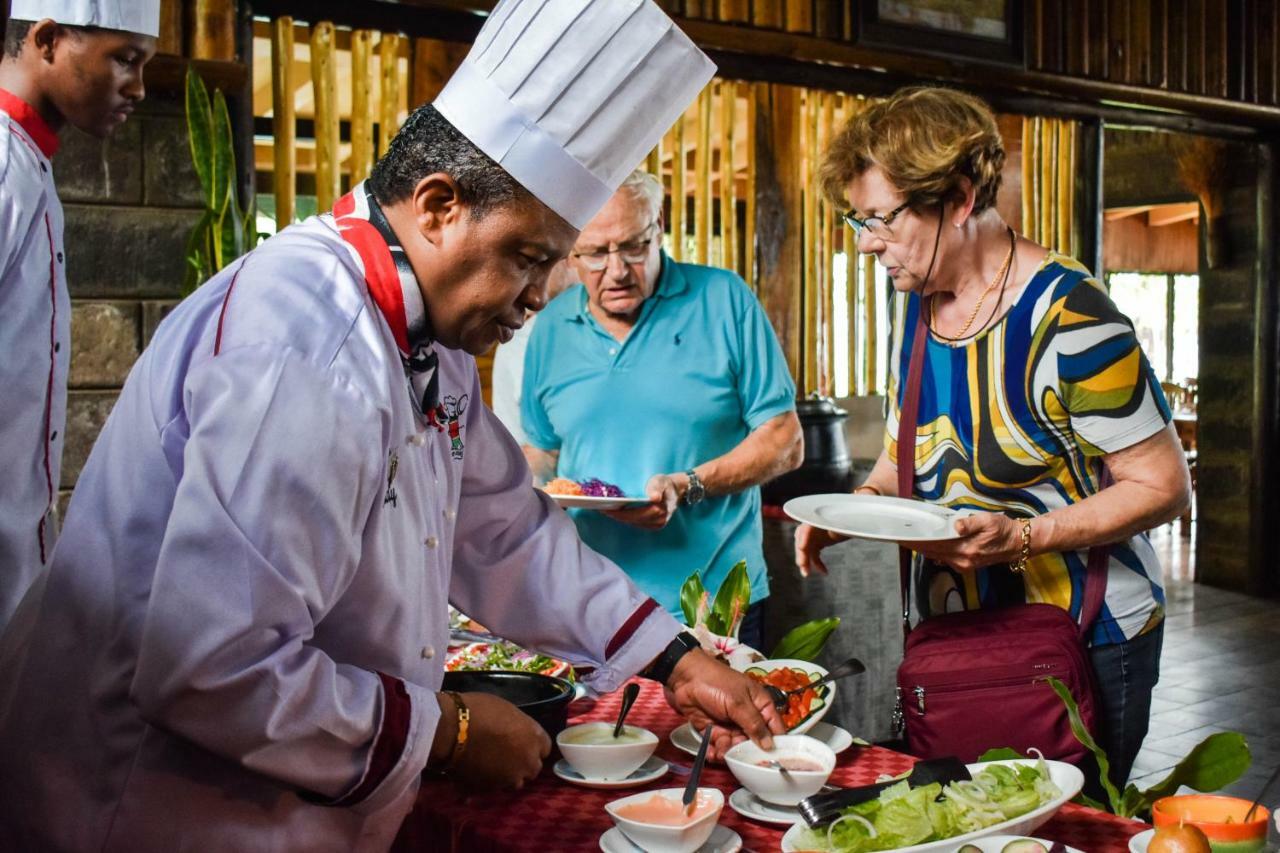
x,y
446,416
392,464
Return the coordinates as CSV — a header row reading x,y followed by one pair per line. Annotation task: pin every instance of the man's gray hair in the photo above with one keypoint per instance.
x,y
648,187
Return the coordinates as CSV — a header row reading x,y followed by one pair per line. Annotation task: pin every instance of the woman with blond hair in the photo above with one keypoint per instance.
x,y
1037,409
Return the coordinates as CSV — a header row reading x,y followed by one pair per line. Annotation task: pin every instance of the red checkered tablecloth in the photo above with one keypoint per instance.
x,y
552,815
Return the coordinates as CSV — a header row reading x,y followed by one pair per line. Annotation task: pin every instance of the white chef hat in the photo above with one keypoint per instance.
x,y
132,16
569,95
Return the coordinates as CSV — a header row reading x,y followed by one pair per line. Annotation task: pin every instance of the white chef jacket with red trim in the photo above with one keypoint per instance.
x,y
236,644
35,329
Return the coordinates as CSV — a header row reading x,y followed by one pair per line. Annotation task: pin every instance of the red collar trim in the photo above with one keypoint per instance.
x,y
379,268
31,121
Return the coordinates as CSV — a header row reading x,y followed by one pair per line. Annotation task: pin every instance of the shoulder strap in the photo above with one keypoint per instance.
x,y
908,415
1095,583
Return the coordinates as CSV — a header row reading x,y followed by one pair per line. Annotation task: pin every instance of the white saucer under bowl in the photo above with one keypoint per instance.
x,y
722,840
750,806
653,768
683,738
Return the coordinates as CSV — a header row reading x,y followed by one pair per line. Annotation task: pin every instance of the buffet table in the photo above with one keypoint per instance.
x,y
552,815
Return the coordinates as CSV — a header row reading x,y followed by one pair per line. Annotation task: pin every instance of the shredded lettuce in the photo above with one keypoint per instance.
x,y
903,816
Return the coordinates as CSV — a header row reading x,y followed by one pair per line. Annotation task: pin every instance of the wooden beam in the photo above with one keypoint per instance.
x,y
282,120
755,54
361,104
778,205
1168,214
324,81
1114,213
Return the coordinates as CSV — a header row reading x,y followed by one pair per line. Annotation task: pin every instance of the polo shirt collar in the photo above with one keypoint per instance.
x,y
30,121
671,282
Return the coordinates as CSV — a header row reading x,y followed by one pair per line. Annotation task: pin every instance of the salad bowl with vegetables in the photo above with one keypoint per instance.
x,y
1003,798
805,707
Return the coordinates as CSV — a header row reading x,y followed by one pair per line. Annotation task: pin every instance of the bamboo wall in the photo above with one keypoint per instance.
x,y
335,98
710,162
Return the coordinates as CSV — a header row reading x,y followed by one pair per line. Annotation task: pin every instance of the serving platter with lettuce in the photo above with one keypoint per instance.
x,y
1011,797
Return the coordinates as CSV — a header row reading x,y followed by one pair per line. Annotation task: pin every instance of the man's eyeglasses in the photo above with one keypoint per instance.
x,y
877,226
632,252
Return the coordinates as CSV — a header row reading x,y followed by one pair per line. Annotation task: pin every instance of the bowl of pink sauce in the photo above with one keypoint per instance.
x,y
808,762
659,822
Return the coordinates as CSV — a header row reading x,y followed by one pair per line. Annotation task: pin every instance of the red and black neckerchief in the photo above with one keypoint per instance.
x,y
394,289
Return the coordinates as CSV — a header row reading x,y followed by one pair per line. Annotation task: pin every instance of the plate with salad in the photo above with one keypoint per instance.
x,y
589,494
1004,798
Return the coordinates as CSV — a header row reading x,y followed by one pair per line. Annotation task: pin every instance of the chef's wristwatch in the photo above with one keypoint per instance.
x,y
696,491
662,667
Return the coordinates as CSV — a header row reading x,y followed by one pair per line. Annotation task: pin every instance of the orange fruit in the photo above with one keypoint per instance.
x,y
1178,839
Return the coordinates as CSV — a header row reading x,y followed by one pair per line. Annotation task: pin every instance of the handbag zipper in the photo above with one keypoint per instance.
x,y
920,692
899,719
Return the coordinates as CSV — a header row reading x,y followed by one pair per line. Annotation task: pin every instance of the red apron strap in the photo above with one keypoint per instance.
x,y
908,415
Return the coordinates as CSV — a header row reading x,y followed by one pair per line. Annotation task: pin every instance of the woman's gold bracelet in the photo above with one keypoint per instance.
x,y
1020,565
869,488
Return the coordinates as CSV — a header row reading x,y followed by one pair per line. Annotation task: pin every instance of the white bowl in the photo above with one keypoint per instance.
x,y
665,838
773,786
608,760
826,692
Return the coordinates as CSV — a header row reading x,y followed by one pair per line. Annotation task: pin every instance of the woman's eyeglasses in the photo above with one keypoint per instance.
x,y
877,226
632,252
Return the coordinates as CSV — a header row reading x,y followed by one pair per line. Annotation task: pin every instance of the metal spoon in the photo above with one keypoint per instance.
x,y
852,666
629,694
691,787
778,765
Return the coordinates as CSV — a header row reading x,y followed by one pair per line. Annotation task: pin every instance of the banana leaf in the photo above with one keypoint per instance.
x,y
693,600
1214,763
731,602
805,642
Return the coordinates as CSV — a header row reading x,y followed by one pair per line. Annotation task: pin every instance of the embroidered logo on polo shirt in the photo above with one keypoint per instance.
x,y
446,415
392,464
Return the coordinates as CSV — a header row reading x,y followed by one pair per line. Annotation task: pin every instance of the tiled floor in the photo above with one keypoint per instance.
x,y
1220,671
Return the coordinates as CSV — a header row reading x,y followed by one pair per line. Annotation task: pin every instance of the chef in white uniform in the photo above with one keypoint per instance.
x,y
239,643
51,74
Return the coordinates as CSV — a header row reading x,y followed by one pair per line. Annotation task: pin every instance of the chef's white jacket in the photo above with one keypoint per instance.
x,y
237,642
35,329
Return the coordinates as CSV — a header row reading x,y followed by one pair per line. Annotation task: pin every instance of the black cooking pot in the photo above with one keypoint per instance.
x,y
827,466
542,697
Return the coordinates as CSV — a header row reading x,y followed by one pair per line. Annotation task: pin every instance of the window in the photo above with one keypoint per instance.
x,y
1165,310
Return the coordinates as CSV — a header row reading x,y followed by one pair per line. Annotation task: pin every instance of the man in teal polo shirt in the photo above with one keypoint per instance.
x,y
667,380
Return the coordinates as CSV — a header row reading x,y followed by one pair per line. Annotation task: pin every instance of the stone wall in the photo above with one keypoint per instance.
x,y
129,202
1226,413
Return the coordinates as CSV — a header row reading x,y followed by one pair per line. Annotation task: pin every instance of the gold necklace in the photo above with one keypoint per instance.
x,y
977,306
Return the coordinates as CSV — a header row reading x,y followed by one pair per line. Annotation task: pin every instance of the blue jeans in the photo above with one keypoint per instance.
x,y
1126,674
751,631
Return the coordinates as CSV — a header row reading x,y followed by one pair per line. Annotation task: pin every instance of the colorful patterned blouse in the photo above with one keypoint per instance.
x,y
1017,421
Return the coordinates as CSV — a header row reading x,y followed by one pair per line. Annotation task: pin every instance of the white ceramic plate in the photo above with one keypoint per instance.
x,y
722,840
653,768
685,739
874,517
1138,844
1067,778
826,692
594,502
750,806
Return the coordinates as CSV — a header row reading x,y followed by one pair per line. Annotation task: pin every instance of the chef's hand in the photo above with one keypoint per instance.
x,y
707,691
505,747
664,495
985,539
810,541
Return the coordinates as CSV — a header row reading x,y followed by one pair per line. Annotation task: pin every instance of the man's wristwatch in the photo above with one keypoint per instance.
x,y
696,491
662,667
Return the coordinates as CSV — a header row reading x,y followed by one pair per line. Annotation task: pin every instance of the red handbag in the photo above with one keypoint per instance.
x,y
974,681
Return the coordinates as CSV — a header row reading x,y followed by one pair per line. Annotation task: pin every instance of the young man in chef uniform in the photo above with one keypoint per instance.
x,y
239,643
76,62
